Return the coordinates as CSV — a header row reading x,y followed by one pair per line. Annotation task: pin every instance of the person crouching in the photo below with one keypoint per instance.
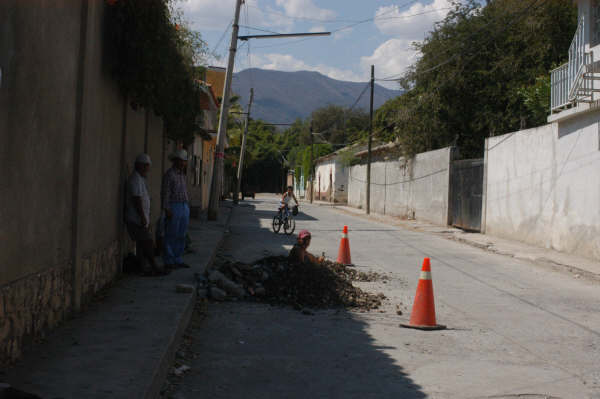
x,y
299,253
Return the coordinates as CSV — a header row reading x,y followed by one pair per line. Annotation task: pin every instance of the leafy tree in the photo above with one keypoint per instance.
x,y
478,75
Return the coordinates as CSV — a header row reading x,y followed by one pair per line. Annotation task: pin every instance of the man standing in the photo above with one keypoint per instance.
x,y
177,211
137,215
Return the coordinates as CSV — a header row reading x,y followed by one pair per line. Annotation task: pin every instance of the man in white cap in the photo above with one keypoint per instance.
x,y
177,211
137,216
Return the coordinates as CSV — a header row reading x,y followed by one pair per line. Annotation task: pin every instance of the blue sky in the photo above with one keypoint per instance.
x,y
384,41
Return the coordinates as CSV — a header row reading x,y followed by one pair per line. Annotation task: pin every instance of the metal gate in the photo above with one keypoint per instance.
x,y
466,188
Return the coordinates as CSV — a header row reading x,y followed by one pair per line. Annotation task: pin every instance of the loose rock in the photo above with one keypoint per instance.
x,y
274,280
217,294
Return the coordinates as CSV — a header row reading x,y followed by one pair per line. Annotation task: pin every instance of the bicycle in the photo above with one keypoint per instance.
x,y
286,219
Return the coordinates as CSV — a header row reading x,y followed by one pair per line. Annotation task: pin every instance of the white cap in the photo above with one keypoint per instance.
x,y
180,154
143,158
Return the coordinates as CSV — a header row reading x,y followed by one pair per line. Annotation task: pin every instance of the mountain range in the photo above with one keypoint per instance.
x,y
282,97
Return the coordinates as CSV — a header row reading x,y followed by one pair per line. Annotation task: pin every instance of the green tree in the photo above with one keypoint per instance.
x,y
478,74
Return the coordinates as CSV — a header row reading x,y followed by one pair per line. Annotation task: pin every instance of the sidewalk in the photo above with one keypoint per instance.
x,y
576,265
123,344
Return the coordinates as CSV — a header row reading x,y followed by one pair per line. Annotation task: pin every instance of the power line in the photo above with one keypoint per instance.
x,y
258,29
213,52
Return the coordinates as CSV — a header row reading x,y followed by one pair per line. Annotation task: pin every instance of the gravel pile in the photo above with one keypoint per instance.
x,y
274,280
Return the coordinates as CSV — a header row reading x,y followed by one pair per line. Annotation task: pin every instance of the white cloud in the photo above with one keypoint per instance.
x,y
216,14
342,33
286,62
413,23
392,58
318,28
304,9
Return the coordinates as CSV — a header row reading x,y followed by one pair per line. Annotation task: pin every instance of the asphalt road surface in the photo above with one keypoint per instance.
x,y
515,329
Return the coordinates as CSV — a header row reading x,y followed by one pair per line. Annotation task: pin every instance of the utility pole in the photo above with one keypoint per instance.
x,y
218,172
370,140
243,150
213,205
312,168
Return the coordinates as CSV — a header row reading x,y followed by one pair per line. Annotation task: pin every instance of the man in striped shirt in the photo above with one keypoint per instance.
x,y
175,204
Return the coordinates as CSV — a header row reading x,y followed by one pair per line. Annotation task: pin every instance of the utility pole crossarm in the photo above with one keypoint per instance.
x,y
283,35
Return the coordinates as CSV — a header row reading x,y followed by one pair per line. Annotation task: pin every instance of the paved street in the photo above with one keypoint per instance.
x,y
515,329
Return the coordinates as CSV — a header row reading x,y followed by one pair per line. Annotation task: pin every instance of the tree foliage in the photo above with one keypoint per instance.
x,y
479,75
153,56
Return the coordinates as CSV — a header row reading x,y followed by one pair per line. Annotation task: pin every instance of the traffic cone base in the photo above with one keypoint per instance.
x,y
426,328
344,251
423,312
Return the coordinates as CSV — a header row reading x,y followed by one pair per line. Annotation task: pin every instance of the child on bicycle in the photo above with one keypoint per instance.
x,y
285,200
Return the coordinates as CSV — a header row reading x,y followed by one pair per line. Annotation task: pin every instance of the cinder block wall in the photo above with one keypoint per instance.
x,y
67,143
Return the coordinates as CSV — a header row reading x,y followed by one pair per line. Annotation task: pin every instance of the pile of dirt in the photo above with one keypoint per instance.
x,y
275,280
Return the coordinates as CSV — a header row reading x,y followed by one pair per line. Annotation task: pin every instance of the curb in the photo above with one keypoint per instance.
x,y
544,262
162,371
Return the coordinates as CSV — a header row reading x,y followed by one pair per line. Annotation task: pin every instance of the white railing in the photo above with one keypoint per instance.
x,y
565,80
576,58
559,87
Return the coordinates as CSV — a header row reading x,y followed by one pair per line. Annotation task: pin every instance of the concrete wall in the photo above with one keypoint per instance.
x,y
417,188
543,186
331,181
67,143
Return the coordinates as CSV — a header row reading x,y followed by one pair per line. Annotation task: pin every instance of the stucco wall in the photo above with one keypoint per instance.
x,y
67,142
543,186
37,130
338,192
417,188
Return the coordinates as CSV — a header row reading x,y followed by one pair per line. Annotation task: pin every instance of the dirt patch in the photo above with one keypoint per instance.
x,y
274,280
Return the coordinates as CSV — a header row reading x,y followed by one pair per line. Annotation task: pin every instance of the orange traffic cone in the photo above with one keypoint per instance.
x,y
344,251
423,312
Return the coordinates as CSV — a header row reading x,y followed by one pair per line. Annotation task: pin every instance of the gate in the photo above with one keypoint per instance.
x,y
466,187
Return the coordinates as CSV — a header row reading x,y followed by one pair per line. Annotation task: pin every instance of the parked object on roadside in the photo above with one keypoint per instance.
x,y
344,250
422,316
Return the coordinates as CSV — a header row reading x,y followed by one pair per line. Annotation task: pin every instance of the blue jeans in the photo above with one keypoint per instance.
x,y
175,231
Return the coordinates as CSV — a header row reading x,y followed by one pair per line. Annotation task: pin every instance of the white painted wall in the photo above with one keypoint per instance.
x,y
543,186
417,188
339,180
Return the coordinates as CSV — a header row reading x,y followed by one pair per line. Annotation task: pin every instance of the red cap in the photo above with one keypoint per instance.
x,y
303,234
426,265
345,229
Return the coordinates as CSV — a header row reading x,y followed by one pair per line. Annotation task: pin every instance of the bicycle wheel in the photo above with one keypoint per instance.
x,y
276,224
289,225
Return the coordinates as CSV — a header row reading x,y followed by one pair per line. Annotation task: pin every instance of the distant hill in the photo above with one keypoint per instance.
x,y
282,97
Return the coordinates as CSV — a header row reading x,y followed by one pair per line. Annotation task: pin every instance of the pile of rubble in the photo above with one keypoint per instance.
x,y
274,280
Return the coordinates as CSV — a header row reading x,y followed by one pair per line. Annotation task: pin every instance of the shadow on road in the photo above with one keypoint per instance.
x,y
255,350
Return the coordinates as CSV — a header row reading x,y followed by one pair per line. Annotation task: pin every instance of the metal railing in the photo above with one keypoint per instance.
x,y
565,80
559,87
577,58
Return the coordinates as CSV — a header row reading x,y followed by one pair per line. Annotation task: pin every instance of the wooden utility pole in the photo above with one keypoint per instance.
x,y
370,140
312,168
243,150
218,168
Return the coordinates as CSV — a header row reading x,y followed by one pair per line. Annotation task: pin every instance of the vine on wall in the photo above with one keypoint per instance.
x,y
152,55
